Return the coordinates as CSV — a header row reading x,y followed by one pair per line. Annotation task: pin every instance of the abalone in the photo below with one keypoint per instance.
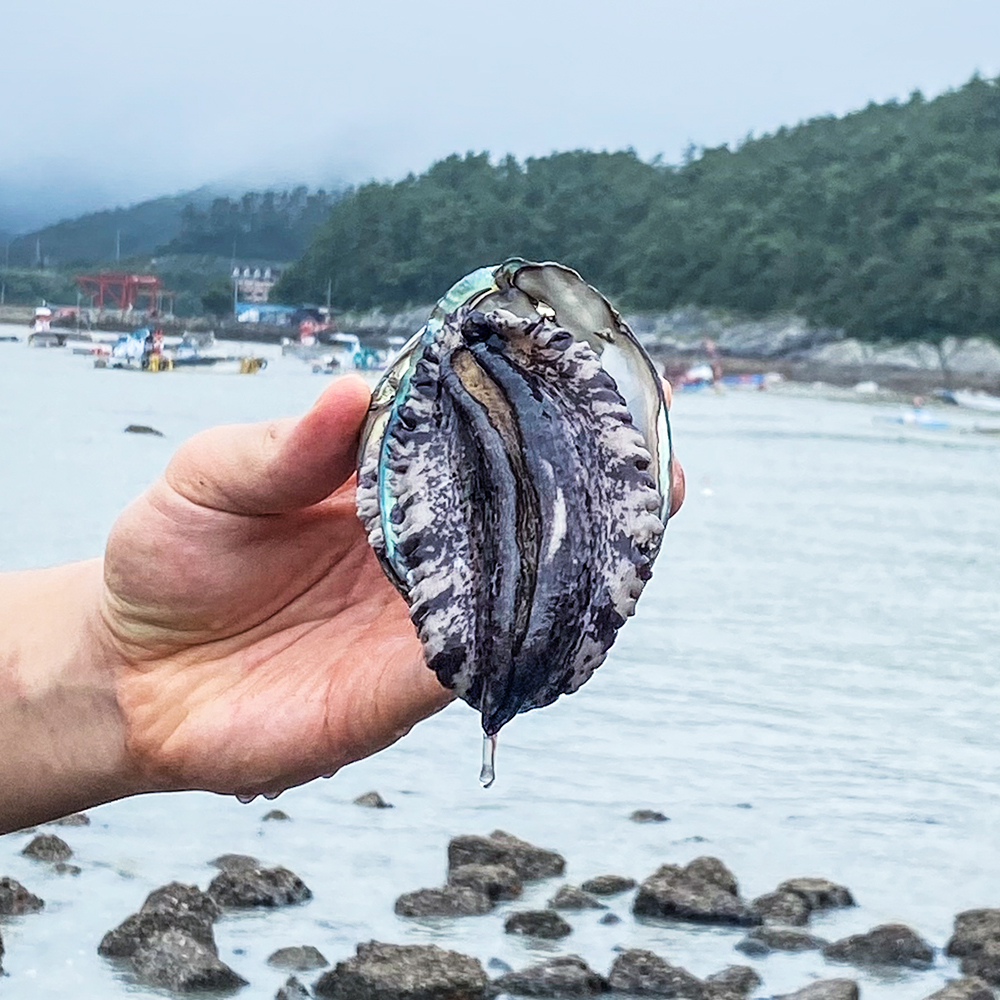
x,y
514,480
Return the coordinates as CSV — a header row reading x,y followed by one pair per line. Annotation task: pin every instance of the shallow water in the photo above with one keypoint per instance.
x,y
810,687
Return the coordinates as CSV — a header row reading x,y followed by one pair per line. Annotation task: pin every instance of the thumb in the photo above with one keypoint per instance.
x,y
276,466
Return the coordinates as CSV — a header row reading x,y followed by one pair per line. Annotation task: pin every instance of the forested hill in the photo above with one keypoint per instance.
x,y
885,222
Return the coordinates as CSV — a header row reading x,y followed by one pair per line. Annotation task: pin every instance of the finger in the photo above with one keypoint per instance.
x,y
668,391
677,487
278,466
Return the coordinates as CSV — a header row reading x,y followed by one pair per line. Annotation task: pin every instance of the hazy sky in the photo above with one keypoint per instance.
x,y
110,101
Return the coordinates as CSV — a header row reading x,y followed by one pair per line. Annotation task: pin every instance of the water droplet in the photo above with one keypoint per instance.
x,y
488,774
245,799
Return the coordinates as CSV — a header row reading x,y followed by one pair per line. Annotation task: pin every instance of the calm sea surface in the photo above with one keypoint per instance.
x,y
811,687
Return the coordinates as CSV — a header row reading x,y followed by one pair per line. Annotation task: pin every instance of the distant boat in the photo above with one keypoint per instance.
x,y
972,400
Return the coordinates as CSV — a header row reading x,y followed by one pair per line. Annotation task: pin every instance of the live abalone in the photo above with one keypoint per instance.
x,y
514,479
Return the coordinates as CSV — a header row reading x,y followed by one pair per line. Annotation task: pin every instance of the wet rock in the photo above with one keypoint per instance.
x,y
565,976
61,868
610,918
404,972
449,901
818,893
762,940
985,963
782,908
672,892
968,988
825,989
648,816
608,885
372,800
275,815
176,961
258,887
174,906
496,881
537,923
732,982
48,847
143,429
302,958
713,871
973,930
888,944
234,862
644,973
499,964
501,848
292,990
73,819
16,900
570,898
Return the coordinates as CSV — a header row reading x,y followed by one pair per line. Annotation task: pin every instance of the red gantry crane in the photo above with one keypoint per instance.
x,y
124,291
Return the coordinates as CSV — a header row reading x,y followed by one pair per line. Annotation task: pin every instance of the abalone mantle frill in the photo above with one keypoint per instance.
x,y
510,492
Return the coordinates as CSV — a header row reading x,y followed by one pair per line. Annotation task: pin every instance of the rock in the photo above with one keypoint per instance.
x,y
570,898
671,892
501,848
969,988
404,972
73,819
64,869
608,885
48,847
372,800
973,930
496,881
713,871
537,923
782,908
15,899
234,862
449,901
762,940
302,958
818,893
888,944
258,887
143,429
732,981
275,814
1,954
985,963
825,989
610,918
174,906
565,976
644,973
178,962
292,990
648,816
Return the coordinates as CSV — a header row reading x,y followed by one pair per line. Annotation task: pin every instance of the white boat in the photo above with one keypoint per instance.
x,y
973,400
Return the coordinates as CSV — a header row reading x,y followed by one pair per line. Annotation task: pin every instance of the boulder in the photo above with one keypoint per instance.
x,y
973,930
818,893
783,908
73,819
968,988
985,963
62,868
537,923
734,981
16,900
713,871
888,944
672,893
643,973
372,800
610,918
496,881
301,958
404,972
173,907
648,816
143,429
258,887
48,847
565,976
608,885
825,989
292,990
449,901
234,862
176,961
762,940
277,815
501,848
570,898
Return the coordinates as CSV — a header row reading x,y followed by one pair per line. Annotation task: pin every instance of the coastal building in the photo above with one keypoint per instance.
x,y
254,284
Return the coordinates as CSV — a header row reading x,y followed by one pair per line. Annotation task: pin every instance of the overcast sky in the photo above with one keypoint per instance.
x,y
108,102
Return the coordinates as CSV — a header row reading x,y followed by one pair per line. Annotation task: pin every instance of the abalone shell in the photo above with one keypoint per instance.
x,y
514,480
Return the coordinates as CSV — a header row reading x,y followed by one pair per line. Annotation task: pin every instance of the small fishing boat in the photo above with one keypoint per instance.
x,y
973,400
145,351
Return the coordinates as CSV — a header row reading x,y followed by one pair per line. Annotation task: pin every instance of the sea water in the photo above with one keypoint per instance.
x,y
811,686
